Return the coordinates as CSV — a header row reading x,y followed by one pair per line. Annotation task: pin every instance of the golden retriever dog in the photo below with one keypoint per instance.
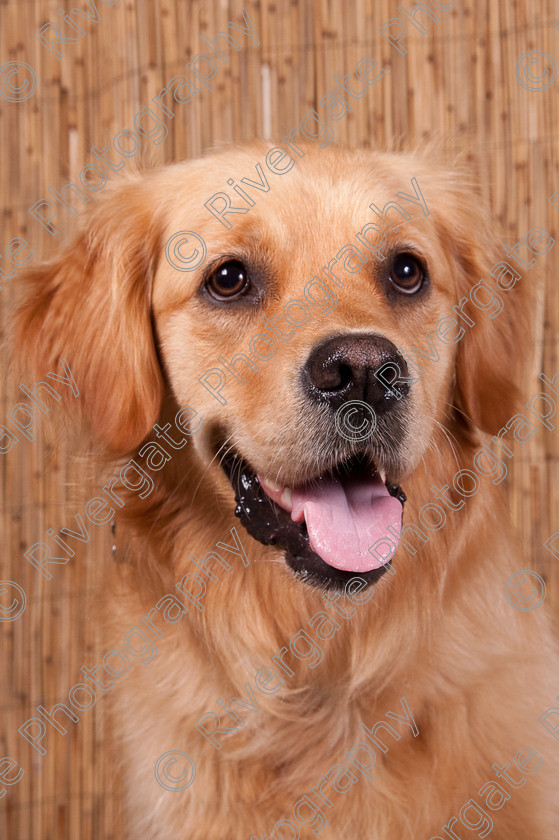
x,y
294,360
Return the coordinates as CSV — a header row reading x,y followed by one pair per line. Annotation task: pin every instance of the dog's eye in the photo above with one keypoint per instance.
x,y
228,281
406,274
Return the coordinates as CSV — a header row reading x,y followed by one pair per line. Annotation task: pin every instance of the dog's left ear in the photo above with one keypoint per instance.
x,y
91,307
493,354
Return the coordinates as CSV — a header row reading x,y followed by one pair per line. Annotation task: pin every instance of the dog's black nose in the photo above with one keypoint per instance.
x,y
356,367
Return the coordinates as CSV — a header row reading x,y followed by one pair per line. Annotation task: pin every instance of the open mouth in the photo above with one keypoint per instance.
x,y
325,526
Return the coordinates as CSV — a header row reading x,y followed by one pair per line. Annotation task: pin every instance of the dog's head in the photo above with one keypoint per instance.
x,y
328,319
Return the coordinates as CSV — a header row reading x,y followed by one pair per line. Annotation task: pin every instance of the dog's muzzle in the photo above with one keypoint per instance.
x,y
330,526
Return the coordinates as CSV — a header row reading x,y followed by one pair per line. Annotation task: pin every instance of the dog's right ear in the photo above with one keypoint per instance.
x,y
91,307
491,357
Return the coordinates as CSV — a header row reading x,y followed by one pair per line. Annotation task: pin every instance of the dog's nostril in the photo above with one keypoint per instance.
x,y
345,375
328,372
355,367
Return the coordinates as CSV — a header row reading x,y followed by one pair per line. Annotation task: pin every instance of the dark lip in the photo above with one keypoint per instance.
x,y
270,524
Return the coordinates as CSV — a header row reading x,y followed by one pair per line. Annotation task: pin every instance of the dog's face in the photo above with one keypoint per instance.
x,y
324,419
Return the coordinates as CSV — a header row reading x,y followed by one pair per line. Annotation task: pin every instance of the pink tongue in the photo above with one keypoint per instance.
x,y
344,518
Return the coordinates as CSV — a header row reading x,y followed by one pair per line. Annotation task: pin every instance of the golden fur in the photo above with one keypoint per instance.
x,y
474,671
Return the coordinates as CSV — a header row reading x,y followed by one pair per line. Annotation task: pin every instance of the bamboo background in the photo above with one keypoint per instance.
x,y
458,79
